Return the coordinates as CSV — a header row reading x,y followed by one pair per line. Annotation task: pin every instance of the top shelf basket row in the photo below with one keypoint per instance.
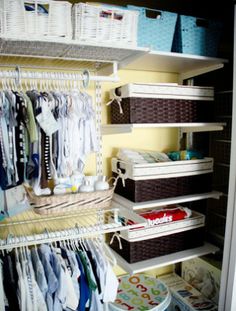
x,y
48,19
116,26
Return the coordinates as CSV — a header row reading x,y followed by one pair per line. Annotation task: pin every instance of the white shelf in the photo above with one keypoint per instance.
x,y
117,199
72,55
184,64
66,54
162,261
109,129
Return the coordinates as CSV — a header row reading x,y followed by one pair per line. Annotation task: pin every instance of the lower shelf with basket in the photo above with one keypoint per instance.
x,y
142,250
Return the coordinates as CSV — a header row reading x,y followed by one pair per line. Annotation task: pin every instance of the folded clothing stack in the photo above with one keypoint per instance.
x,y
141,156
144,156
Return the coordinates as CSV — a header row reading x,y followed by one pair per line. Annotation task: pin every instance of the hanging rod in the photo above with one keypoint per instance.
x,y
84,76
29,228
57,236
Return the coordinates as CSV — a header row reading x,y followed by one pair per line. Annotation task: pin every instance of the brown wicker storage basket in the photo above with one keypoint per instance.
x,y
157,110
142,250
155,189
60,204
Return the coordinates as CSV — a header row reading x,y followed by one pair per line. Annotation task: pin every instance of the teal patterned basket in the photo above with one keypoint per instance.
x,y
155,28
197,36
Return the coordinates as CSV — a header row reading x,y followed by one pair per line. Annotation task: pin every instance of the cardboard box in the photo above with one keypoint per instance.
x,y
204,276
184,296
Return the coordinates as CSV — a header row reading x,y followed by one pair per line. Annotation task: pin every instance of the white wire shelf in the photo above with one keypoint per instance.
x,y
166,260
67,54
117,199
30,228
110,129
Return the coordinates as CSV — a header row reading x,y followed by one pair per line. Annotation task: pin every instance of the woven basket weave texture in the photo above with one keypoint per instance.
x,y
101,23
196,36
60,204
142,250
153,110
156,32
155,189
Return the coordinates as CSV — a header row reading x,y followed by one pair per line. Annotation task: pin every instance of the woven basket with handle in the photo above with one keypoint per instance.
x,y
65,203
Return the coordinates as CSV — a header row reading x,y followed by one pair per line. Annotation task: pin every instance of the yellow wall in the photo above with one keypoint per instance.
x,y
162,139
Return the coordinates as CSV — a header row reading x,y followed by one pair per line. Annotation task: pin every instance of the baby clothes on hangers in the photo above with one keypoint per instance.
x,y
73,268
38,299
71,298
2,292
44,278
39,272
10,281
44,254
39,150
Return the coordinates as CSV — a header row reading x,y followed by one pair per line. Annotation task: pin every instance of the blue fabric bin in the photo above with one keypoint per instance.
x,y
155,28
197,36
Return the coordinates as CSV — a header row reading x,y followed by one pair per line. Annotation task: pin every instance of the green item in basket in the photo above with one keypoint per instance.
x,y
184,155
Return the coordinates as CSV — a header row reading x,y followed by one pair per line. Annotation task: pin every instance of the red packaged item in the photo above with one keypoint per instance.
x,y
157,217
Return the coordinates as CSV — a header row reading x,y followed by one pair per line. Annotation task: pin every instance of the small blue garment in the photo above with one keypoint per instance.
x,y
39,272
59,302
85,293
3,174
45,256
2,207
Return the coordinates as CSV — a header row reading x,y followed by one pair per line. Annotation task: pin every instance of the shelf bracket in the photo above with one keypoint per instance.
x,y
108,73
193,73
185,139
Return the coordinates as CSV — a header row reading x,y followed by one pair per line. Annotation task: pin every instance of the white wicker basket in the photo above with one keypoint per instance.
x,y
39,19
13,23
60,24
111,25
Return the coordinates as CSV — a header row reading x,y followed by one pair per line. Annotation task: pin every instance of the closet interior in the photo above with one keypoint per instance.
x,y
81,196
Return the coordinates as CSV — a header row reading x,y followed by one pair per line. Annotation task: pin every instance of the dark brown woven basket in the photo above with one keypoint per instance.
x,y
155,189
142,250
157,110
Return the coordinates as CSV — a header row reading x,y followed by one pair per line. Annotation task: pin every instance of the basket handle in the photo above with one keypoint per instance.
x,y
201,22
152,14
28,191
116,99
123,175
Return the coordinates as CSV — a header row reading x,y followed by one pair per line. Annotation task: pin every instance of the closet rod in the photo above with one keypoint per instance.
x,y
56,236
55,75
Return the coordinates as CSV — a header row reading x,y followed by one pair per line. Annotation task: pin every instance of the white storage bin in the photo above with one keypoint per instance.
x,y
13,20
163,169
39,19
60,24
164,90
148,232
104,24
